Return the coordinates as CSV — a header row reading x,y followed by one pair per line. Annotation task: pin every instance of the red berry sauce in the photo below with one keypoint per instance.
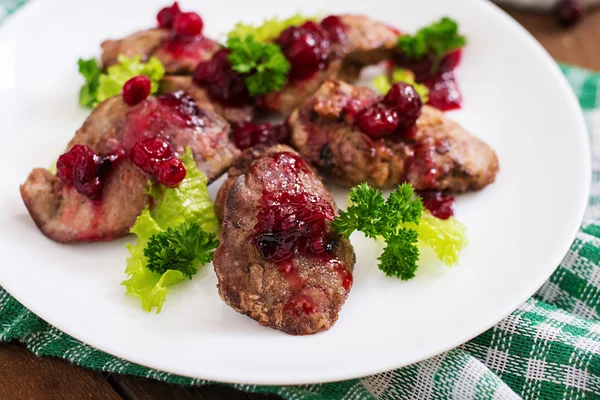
x,y
439,204
82,168
444,93
222,83
308,47
186,40
155,157
136,90
395,115
165,115
188,24
251,134
292,221
166,16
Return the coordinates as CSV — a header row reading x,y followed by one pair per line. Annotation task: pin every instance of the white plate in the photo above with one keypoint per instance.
x,y
519,228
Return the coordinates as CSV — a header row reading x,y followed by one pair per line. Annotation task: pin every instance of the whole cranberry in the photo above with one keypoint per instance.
x,y
334,27
188,24
78,164
440,204
78,167
405,100
148,154
170,172
166,16
306,48
136,90
569,12
377,121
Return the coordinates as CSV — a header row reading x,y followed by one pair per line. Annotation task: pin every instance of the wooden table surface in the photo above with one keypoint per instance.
x,y
24,376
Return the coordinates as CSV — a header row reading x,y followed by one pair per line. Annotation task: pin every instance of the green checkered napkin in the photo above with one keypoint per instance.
x,y
549,348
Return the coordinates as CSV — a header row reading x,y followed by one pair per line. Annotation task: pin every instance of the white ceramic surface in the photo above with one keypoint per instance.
x,y
519,228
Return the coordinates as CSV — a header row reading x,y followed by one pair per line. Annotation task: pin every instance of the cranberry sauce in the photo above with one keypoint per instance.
x,y
250,134
292,221
189,47
136,90
82,168
158,115
222,83
156,158
186,40
166,16
308,47
395,115
444,93
439,204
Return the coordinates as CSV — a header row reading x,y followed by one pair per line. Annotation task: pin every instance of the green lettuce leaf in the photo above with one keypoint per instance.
x,y
447,238
270,28
383,83
99,86
91,73
189,202
111,84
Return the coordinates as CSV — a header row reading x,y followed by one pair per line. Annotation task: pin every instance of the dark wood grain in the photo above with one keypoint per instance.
x,y
24,376
143,389
579,45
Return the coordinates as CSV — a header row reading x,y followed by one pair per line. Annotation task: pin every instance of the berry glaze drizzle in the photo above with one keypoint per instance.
x,y
145,122
186,40
444,93
291,222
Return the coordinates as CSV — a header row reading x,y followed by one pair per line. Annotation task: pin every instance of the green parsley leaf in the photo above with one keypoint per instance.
x,y
376,217
399,258
91,73
366,213
263,65
182,248
402,206
439,38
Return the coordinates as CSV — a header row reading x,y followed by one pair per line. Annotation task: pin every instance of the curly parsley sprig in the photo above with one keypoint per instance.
x,y
439,39
182,248
263,65
376,217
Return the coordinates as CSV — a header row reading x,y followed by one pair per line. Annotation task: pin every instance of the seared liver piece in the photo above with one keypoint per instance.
x,y
441,155
178,55
364,42
233,114
65,215
301,293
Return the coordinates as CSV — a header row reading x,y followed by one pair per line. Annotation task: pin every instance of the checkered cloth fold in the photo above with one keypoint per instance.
x,y
549,348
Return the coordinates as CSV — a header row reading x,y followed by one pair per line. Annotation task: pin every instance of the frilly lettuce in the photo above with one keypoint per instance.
x,y
100,86
189,202
447,238
383,83
270,28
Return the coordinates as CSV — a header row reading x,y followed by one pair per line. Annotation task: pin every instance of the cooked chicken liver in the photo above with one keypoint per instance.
x,y
440,155
233,114
363,42
299,290
65,215
179,55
